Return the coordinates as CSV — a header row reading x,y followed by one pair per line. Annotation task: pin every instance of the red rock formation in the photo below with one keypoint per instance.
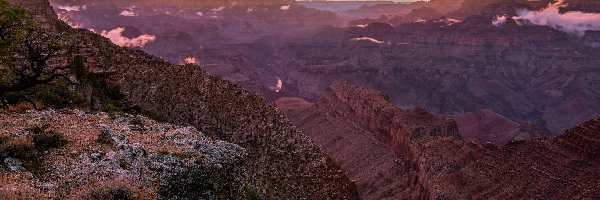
x,y
420,155
487,126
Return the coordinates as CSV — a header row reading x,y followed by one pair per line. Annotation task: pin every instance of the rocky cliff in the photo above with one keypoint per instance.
x,y
43,13
352,124
282,163
421,155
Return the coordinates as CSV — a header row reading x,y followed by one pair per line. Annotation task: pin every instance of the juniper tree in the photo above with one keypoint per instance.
x,y
26,50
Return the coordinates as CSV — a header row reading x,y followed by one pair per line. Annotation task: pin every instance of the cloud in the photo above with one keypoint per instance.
x,y
368,39
500,20
67,18
116,36
191,60
285,7
128,13
219,9
574,22
419,20
64,14
200,14
278,86
448,21
72,8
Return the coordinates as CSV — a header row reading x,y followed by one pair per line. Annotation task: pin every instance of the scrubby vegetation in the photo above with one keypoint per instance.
x,y
44,140
45,70
120,189
251,193
104,137
26,74
29,148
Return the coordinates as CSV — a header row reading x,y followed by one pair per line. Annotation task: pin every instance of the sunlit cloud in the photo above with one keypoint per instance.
x,y
574,22
191,60
128,13
72,8
67,18
278,86
219,9
500,20
368,39
116,36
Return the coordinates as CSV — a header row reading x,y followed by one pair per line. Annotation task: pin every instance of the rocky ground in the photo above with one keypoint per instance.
x,y
104,155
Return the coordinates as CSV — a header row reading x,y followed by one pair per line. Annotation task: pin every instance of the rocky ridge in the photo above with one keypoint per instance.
x,y
423,156
282,163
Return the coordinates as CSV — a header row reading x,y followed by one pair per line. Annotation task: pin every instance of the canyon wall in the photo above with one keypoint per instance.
x,y
420,155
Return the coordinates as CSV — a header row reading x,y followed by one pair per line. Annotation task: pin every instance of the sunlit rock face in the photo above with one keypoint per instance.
x,y
42,12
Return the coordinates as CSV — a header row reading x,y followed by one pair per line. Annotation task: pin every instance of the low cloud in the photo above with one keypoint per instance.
x,y
285,7
368,39
200,14
500,20
67,18
128,13
448,21
574,22
72,8
219,9
191,60
278,86
116,36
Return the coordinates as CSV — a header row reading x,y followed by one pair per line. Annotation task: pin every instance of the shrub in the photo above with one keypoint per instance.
x,y
44,140
3,139
251,193
20,148
119,193
117,189
104,137
111,108
29,149
136,121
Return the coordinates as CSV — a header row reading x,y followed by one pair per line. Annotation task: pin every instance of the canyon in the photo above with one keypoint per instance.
x,y
493,99
460,63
